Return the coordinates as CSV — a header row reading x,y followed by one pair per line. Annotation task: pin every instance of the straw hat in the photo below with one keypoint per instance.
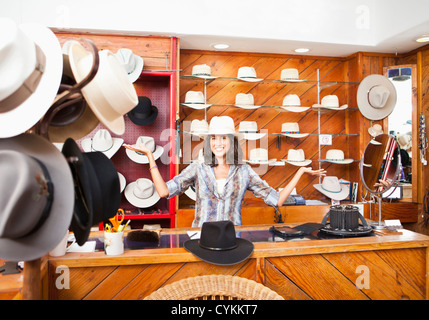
x,y
31,66
337,156
332,188
222,125
103,142
292,103
195,100
110,94
330,102
290,75
132,64
247,74
376,97
259,156
297,158
141,193
375,130
245,101
291,129
202,71
249,130
199,127
149,143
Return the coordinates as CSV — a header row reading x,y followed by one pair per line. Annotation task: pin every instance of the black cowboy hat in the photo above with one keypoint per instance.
x,y
144,113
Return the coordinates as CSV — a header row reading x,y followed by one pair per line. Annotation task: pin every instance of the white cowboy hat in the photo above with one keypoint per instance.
x,y
292,103
199,127
122,181
375,130
195,100
31,65
291,129
110,94
149,143
141,193
247,74
249,130
290,75
330,102
376,97
297,158
332,188
202,71
103,142
133,64
222,125
259,156
245,101
336,156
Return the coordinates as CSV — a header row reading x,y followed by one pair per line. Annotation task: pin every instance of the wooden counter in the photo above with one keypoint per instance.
x,y
390,266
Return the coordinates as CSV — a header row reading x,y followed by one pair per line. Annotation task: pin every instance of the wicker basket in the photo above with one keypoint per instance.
x,y
214,287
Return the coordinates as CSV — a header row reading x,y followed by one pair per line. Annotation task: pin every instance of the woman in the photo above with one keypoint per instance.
x,y
221,180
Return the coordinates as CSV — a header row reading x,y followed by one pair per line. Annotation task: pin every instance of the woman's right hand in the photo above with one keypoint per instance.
x,y
140,148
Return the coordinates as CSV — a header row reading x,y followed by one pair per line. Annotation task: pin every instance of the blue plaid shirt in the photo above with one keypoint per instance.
x,y
212,206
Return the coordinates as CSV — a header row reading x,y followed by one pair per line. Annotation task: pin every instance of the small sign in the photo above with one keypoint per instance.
x,y
325,139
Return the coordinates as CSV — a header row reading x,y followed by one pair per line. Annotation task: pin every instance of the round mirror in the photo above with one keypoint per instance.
x,y
380,161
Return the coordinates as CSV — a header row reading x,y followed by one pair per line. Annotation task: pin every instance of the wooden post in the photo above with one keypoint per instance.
x,y
31,289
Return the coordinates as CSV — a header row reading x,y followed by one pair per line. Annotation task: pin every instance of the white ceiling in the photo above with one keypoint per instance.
x,y
326,27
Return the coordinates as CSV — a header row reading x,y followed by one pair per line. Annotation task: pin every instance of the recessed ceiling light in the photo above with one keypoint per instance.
x,y
220,46
302,50
424,38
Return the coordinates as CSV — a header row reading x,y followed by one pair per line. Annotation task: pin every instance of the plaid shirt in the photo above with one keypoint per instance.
x,y
212,206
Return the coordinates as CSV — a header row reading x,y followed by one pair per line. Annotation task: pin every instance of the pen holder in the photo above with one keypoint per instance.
x,y
113,243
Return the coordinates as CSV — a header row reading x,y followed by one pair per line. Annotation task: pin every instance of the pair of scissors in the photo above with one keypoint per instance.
x,y
116,221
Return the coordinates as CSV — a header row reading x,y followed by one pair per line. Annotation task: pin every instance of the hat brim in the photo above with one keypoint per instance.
x,y
141,158
133,76
250,79
295,109
117,143
204,77
244,106
43,240
122,181
138,202
344,193
27,114
146,121
343,107
344,161
253,136
292,80
270,161
243,251
295,135
197,106
365,86
300,163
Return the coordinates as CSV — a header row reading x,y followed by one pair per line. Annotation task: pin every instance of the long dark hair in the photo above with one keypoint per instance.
x,y
233,156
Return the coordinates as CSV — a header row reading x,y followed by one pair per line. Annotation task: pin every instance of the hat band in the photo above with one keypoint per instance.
x,y
142,115
330,190
291,132
248,131
28,87
216,248
93,149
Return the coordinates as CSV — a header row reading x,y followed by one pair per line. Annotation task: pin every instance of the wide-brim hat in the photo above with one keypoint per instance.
x,y
112,144
132,63
49,234
136,194
336,156
144,113
332,188
110,94
297,158
375,130
222,125
249,130
29,112
295,108
291,130
376,97
259,156
219,245
97,192
197,106
141,158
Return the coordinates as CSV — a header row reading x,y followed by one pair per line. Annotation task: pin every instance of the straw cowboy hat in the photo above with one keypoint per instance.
x,y
291,129
37,197
97,195
195,100
219,245
141,193
249,130
144,113
332,188
259,156
202,71
292,103
132,64
110,94
290,75
297,158
149,143
222,125
245,101
376,97
336,156
103,142
375,130
31,66
330,102
199,127
247,74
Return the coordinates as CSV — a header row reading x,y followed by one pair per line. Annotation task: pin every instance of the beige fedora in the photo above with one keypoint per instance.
x,y
202,71
199,127
195,100
103,142
292,103
375,130
330,102
336,156
245,101
247,74
290,75
141,193
259,156
376,97
249,130
297,158
291,129
332,188
110,94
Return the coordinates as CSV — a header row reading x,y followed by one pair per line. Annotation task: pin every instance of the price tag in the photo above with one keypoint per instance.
x,y
325,139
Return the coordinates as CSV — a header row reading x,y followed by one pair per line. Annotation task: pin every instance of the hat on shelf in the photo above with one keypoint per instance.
x,y
218,244
102,142
132,64
31,66
141,193
292,103
202,71
97,193
37,197
249,130
195,100
77,119
247,74
259,156
222,125
110,94
376,97
245,101
297,158
336,156
144,113
122,181
291,129
199,127
290,75
147,142
330,102
375,130
332,188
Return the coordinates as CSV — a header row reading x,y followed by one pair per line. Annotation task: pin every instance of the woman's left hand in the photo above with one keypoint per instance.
x,y
309,170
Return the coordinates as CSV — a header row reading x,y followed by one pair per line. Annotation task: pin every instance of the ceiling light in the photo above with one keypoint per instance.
x,y
424,38
301,50
220,46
